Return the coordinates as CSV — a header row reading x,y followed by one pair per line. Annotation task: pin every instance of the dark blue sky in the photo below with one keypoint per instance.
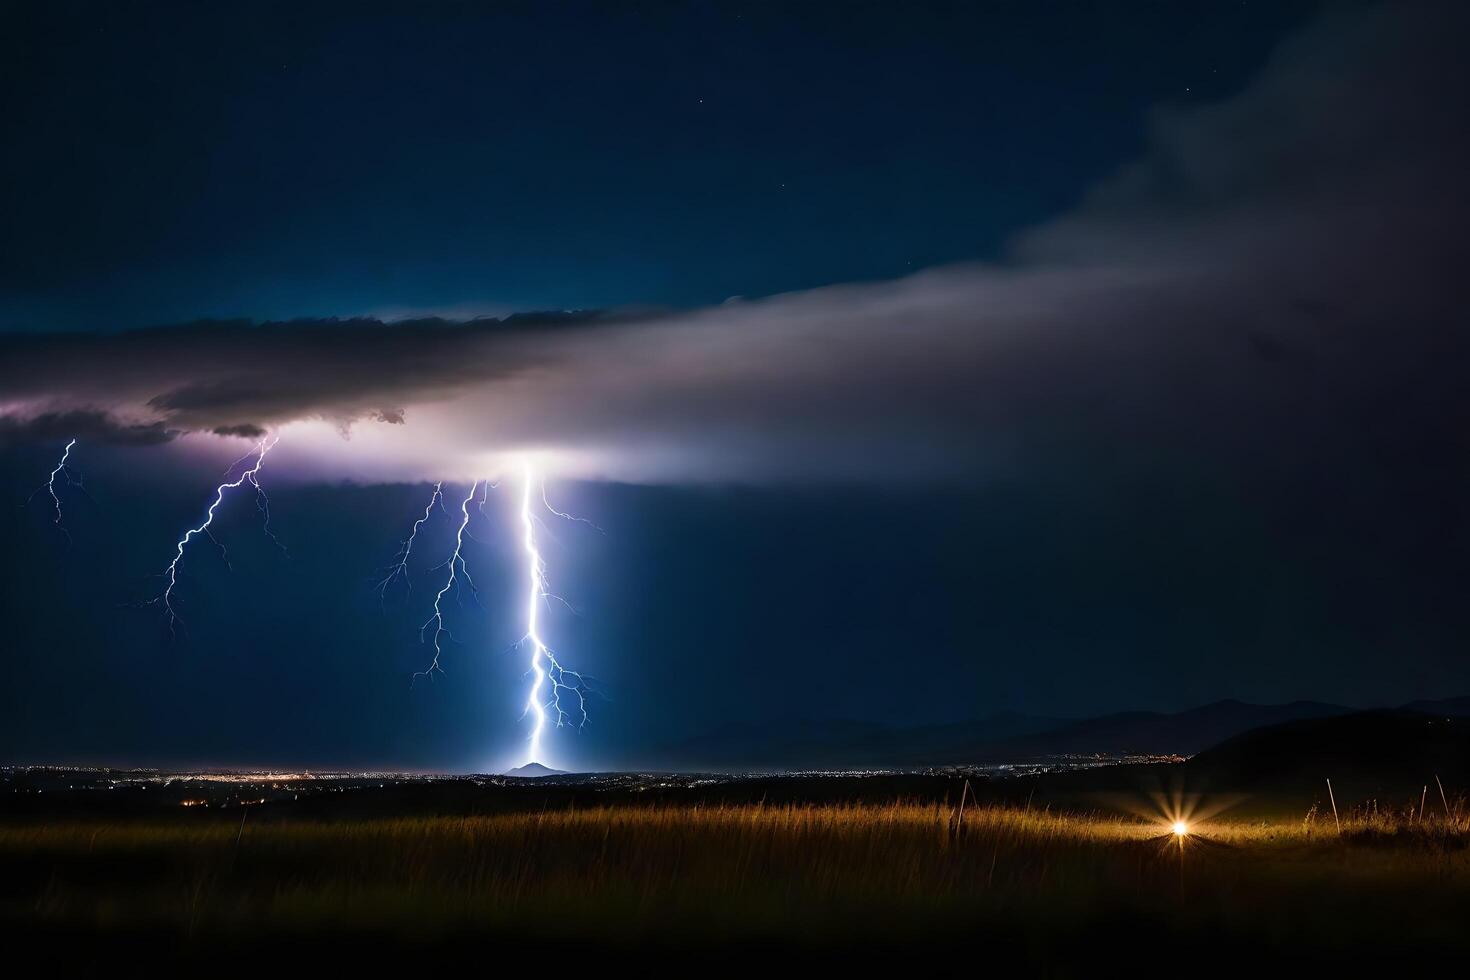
x,y
698,608
167,162
1274,507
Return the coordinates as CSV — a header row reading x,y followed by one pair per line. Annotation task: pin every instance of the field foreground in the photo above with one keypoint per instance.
x,y
1008,883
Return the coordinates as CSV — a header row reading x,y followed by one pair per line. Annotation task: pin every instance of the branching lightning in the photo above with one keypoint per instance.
x,y
485,489
457,567
72,480
250,475
553,687
263,505
543,700
563,514
398,571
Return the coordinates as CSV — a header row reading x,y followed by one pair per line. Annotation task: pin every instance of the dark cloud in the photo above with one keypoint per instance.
x,y
1274,286
91,425
242,431
206,375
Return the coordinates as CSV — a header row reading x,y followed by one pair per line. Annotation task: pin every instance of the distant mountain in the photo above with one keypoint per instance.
x,y
1160,733
1448,707
533,769
817,744
1370,754
1000,738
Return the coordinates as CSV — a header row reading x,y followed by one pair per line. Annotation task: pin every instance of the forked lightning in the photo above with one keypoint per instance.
x,y
249,475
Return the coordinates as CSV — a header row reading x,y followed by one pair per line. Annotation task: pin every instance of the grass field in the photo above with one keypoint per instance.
x,y
1009,879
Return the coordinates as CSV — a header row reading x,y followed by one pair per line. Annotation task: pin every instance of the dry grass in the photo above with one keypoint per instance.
x,y
814,874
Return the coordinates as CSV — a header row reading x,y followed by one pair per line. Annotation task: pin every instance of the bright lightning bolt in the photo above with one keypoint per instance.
x,y
399,569
262,502
250,475
457,567
545,669
61,470
553,685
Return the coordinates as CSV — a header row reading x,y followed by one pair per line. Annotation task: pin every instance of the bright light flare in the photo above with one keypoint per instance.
x,y
1173,811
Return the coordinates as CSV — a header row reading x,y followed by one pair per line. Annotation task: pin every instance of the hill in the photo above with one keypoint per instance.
x,y
1390,755
1447,707
1160,733
998,738
534,770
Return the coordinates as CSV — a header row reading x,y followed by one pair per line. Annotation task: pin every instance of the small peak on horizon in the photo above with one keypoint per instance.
x,y
532,769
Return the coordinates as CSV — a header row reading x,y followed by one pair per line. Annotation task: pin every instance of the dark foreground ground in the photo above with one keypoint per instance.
x,y
550,873
1063,873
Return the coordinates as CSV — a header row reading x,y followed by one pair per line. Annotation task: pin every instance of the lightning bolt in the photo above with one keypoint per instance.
x,y
250,475
549,678
61,470
553,686
485,489
399,569
457,567
563,514
263,503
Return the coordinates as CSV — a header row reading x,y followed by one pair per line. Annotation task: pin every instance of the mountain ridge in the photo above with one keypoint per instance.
x,y
534,770
1004,737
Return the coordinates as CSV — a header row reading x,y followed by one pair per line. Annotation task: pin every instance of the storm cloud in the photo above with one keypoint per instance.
x,y
1275,285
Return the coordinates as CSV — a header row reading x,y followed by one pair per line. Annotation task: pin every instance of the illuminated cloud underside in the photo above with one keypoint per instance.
x,y
1228,289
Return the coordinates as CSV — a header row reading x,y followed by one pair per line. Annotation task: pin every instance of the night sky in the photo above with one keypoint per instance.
x,y
916,361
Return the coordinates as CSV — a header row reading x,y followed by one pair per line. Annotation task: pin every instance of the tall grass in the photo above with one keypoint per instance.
x,y
813,873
